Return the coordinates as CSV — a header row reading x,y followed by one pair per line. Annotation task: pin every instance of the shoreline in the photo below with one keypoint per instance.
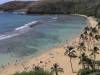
x,y
48,58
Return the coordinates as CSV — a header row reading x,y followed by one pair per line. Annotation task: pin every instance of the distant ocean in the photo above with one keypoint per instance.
x,y
19,40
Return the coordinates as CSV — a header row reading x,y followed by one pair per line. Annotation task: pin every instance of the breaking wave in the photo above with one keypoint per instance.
x,y
19,30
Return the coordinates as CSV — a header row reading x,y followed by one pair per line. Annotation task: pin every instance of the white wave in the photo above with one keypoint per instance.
x,y
31,23
54,18
2,37
22,27
26,25
18,30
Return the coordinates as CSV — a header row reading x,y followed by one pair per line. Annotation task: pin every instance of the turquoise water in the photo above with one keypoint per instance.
x,y
52,30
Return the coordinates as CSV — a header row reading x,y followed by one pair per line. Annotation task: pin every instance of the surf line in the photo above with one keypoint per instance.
x,y
19,30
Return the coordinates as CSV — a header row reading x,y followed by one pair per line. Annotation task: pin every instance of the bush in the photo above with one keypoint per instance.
x,y
36,72
88,72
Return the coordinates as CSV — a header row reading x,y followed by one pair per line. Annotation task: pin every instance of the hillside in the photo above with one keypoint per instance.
x,y
16,5
88,7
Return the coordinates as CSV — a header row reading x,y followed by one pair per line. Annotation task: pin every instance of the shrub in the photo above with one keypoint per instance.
x,y
36,72
88,72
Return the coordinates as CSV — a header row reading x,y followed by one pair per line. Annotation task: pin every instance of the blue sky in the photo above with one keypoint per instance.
x,y
3,1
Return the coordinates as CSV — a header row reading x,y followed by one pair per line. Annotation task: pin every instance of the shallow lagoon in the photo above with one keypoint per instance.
x,y
52,30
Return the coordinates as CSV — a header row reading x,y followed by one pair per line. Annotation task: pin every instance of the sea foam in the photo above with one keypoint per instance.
x,y
18,31
27,25
2,37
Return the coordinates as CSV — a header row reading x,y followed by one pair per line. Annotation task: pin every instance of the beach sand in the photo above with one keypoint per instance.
x,y
46,60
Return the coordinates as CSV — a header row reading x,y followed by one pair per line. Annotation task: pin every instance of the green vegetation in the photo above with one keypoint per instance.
x,y
88,39
91,66
88,42
16,5
36,72
88,72
56,69
85,7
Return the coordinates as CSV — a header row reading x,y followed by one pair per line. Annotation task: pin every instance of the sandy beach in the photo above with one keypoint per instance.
x,y
47,59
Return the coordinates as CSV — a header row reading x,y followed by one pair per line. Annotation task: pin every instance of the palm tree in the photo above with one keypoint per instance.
x,y
91,40
83,38
82,60
86,61
37,68
56,69
98,25
97,37
94,52
94,30
71,64
90,33
87,28
85,33
81,47
93,33
71,53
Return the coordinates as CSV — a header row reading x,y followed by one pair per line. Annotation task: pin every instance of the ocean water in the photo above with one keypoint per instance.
x,y
18,40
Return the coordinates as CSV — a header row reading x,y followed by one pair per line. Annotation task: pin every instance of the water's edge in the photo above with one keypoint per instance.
x,y
42,51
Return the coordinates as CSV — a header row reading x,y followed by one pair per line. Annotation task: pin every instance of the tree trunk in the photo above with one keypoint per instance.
x,y
83,65
71,65
94,60
56,72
